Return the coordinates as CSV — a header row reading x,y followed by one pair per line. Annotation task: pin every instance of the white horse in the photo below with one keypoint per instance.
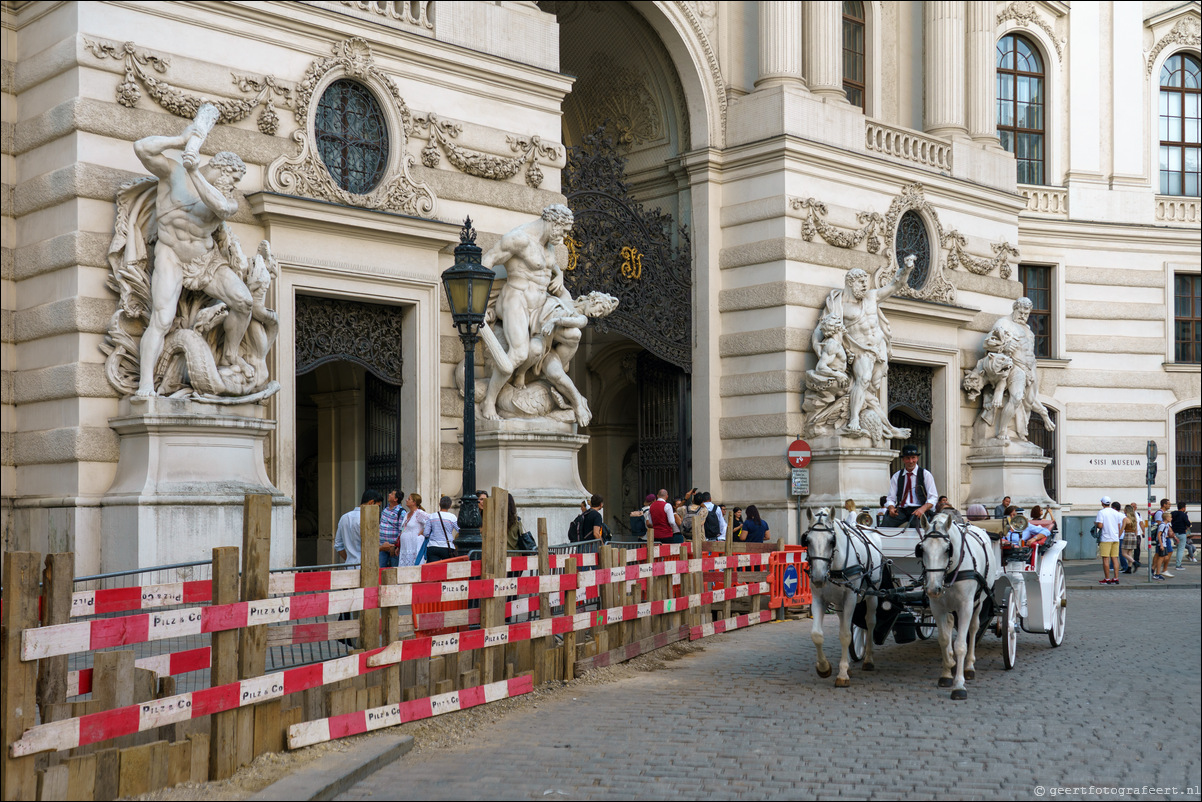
x,y
845,562
959,566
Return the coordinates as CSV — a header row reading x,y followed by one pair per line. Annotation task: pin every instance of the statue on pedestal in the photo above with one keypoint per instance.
x,y
533,326
192,319
852,343
1009,369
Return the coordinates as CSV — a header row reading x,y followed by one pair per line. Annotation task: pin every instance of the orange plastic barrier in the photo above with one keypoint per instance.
x,y
440,607
776,580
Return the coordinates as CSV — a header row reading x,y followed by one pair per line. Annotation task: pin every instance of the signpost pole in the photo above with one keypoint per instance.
x,y
798,457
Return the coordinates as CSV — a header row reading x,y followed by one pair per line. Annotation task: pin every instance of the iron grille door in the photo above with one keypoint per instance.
x,y
1038,434
663,399
383,441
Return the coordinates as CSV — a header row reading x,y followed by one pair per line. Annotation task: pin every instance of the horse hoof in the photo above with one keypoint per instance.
x,y
840,682
824,674
869,667
970,673
945,682
959,695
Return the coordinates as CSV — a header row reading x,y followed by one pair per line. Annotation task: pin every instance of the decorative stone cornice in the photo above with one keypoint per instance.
x,y
1025,14
1187,31
484,165
138,61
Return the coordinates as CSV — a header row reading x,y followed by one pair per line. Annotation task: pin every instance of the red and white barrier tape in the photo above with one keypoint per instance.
x,y
96,727
730,624
165,665
377,718
101,633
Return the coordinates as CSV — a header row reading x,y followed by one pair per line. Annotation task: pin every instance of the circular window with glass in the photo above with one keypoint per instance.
x,y
352,136
912,240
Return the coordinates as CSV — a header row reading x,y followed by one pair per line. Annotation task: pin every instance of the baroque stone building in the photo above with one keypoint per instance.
x,y
1044,149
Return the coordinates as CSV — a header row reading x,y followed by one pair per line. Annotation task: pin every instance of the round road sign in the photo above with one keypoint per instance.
x,y
799,453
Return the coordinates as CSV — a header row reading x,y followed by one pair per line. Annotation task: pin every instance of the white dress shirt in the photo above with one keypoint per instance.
x,y
898,483
347,537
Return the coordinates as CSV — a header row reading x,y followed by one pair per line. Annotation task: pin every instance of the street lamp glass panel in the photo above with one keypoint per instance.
x,y
478,294
458,291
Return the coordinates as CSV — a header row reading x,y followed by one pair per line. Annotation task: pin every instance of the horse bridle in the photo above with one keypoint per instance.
x,y
950,574
840,578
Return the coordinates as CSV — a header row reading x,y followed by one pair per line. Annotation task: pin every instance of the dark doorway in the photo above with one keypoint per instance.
x,y
383,434
663,425
910,408
1038,434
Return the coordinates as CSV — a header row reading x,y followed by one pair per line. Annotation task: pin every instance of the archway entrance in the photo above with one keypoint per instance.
x,y
626,125
348,414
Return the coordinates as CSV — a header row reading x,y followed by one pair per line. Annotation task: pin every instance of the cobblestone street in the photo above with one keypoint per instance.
x,y
748,718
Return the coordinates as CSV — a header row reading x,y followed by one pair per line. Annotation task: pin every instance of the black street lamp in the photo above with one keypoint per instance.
x,y
468,284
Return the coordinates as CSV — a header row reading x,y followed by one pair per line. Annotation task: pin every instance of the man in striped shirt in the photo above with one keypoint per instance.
x,y
392,518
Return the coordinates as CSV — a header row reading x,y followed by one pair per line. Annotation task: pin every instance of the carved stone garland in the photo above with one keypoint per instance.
x,y
182,104
958,257
814,224
304,173
1187,31
484,165
1023,12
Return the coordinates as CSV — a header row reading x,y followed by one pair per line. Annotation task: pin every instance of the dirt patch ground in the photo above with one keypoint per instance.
x,y
431,734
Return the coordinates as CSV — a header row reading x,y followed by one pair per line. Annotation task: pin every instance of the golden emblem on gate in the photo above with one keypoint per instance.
x,y
572,246
632,264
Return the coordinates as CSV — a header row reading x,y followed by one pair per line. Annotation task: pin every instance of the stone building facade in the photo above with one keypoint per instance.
x,y
1022,147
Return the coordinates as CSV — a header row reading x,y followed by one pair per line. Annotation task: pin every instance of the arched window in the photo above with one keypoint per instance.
x,y
352,136
1189,455
1180,125
1020,105
853,51
913,239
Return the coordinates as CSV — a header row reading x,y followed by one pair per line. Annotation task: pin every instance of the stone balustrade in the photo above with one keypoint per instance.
x,y
907,145
1171,209
410,15
1045,200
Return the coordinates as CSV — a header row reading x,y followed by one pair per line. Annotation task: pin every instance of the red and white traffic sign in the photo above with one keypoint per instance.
x,y
799,453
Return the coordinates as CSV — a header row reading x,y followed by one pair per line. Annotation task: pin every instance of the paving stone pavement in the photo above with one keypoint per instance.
x,y
1117,706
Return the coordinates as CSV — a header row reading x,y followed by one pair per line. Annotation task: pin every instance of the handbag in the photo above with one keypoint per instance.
x,y
526,542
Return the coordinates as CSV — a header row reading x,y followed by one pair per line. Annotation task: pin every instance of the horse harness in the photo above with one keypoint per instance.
x,y
850,577
959,573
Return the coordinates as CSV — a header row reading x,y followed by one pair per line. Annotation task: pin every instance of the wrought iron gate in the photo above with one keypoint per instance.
x,y
910,407
1038,434
383,435
663,426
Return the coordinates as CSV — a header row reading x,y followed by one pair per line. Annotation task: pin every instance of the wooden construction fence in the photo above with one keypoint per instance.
x,y
136,733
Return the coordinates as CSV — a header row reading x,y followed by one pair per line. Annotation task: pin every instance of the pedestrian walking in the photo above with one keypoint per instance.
x,y
1180,524
1110,521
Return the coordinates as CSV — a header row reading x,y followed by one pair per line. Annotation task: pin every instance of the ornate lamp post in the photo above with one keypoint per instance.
x,y
467,284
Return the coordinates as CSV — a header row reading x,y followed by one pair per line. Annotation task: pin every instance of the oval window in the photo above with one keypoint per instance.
x,y
912,239
352,136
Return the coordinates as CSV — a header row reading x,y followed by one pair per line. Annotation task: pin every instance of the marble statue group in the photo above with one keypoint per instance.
x,y
852,342
192,319
533,327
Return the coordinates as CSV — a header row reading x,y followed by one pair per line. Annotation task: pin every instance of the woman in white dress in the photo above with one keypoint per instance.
x,y
413,532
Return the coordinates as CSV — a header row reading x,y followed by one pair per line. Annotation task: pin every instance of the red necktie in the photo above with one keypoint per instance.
x,y
905,499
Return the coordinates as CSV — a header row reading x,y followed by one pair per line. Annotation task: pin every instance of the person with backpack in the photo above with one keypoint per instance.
x,y
664,521
593,522
1179,522
912,491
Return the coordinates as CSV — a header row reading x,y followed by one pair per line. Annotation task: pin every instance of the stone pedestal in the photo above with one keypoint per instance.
x,y
536,461
848,467
184,469
1014,469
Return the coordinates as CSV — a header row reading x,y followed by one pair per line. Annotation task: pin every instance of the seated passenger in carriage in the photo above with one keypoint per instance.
x,y
1023,533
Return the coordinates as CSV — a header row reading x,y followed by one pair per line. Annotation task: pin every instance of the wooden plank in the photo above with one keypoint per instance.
x,y
391,625
201,752
569,638
108,774
53,783
369,572
632,650
245,741
342,701
223,748
179,763
544,569
81,777
701,614
314,706
469,679
158,765
492,566
446,686
135,770
256,561
728,576
18,684
289,717
57,585
113,683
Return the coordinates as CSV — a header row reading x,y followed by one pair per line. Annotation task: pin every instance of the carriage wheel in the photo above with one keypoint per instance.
x,y
925,626
1060,610
1010,631
859,639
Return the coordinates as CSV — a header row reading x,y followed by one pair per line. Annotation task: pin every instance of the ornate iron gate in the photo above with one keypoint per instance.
x,y
383,436
910,407
663,426
1038,434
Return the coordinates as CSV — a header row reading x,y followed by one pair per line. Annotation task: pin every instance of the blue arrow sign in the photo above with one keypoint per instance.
x,y
790,581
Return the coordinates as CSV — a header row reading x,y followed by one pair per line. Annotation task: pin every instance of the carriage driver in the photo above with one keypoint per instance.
x,y
912,491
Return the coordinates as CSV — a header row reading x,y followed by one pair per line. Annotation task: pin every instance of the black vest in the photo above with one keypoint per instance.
x,y
920,491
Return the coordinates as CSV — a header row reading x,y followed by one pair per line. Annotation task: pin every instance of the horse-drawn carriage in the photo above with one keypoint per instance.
x,y
968,583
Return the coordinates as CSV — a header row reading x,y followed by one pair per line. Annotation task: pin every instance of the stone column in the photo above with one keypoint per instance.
x,y
943,43
824,48
780,52
981,69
